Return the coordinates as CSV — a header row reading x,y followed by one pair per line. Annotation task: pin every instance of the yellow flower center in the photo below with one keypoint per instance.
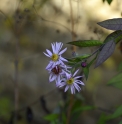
x,y
54,57
70,81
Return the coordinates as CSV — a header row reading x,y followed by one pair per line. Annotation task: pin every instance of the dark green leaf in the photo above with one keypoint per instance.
x,y
102,119
86,72
109,1
116,114
105,53
78,58
84,108
51,117
86,43
112,24
116,36
120,67
116,81
120,122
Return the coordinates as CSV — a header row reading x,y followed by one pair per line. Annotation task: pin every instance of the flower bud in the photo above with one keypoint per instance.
x,y
83,64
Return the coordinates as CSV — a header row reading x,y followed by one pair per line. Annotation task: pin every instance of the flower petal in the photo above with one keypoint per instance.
x,y
77,87
78,77
66,88
49,52
52,77
62,51
53,47
46,54
63,59
75,72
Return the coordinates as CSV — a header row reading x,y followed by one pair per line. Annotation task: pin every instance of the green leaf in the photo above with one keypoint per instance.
x,y
116,36
120,122
109,1
78,58
51,117
112,24
86,43
86,72
102,119
105,53
120,67
84,108
116,114
116,81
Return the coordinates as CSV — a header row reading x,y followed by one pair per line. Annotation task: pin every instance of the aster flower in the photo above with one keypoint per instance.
x,y
55,56
71,82
56,73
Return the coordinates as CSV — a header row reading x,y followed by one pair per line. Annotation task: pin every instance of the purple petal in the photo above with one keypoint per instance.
x,y
53,47
49,52
72,90
52,77
62,51
79,82
75,72
66,88
77,87
47,55
63,59
78,77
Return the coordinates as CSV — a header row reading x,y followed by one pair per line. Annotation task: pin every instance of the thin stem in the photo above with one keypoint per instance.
x,y
16,81
69,109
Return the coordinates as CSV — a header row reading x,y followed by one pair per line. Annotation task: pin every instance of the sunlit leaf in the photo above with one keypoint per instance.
x,y
112,24
86,43
105,53
116,36
116,81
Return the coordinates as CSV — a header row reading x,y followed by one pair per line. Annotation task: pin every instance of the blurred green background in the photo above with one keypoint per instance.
x,y
35,24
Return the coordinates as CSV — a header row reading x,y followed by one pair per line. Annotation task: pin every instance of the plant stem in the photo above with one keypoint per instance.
x,y
16,92
69,109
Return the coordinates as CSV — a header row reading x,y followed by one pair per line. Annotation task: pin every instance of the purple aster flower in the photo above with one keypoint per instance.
x,y
55,56
71,82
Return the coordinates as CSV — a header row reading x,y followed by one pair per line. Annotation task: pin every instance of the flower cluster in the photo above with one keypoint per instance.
x,y
59,71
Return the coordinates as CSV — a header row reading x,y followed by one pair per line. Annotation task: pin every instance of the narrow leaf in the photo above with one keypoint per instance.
x,y
116,114
105,53
112,24
120,122
116,81
78,58
86,43
116,36
51,117
109,1
86,72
